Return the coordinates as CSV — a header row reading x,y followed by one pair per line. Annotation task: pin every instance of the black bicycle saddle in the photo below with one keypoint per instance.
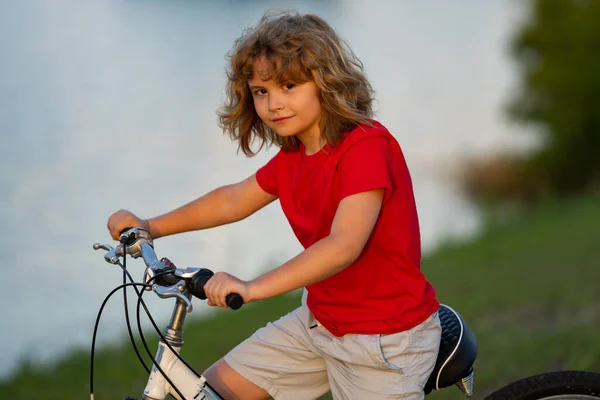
x,y
458,350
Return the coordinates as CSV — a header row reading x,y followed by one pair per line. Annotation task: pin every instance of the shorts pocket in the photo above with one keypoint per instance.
x,y
393,350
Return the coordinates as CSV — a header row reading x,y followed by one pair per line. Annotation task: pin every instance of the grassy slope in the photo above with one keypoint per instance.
x,y
528,289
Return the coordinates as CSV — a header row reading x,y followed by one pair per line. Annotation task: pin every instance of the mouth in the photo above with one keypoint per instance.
x,y
281,119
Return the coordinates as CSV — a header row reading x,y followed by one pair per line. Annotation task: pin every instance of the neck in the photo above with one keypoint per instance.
x,y
312,144
309,150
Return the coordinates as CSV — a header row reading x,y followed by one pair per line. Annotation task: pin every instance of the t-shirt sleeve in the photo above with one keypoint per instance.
x,y
266,176
367,165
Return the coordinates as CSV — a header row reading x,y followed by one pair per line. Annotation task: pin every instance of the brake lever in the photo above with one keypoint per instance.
x,y
98,246
112,255
177,290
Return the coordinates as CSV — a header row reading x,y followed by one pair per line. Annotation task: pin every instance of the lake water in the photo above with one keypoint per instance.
x,y
111,104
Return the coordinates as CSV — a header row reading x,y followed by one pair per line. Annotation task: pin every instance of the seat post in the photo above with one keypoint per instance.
x,y
466,384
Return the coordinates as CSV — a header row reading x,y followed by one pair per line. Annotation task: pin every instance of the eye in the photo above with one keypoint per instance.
x,y
259,92
289,86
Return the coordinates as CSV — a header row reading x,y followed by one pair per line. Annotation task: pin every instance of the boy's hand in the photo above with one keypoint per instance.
x,y
123,219
221,284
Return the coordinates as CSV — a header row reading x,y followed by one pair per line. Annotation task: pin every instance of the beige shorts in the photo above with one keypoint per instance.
x,y
295,358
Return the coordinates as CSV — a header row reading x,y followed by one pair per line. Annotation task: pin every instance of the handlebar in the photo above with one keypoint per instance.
x,y
167,278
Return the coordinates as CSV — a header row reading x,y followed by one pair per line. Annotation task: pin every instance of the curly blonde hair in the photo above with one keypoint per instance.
x,y
297,48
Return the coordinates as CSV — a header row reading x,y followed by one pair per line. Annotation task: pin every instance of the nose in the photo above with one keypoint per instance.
x,y
275,103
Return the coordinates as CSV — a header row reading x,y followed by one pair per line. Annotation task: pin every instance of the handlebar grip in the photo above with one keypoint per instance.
x,y
233,300
196,286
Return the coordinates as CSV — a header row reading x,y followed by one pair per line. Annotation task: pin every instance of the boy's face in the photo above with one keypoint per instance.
x,y
289,109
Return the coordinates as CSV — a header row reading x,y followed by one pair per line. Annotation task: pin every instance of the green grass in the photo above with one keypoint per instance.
x,y
529,289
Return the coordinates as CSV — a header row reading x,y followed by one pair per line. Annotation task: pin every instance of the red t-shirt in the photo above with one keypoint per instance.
x,y
383,291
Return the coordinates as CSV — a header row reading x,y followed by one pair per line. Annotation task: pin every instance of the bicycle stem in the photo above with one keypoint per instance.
x,y
174,331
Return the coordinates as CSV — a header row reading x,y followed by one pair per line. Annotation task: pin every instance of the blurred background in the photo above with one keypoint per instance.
x,y
109,105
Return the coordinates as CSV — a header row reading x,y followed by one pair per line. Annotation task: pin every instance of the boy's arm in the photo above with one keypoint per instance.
x,y
352,226
222,206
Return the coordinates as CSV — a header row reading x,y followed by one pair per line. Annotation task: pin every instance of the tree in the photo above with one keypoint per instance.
x,y
558,54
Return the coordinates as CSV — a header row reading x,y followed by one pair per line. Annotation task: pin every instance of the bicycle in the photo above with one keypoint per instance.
x,y
171,375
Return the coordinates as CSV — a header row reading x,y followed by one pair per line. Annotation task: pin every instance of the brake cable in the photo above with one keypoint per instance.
x,y
96,329
125,274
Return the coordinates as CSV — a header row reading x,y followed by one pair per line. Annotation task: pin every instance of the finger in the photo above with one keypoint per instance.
x,y
111,229
117,229
223,289
214,301
113,222
123,224
219,295
222,292
209,290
